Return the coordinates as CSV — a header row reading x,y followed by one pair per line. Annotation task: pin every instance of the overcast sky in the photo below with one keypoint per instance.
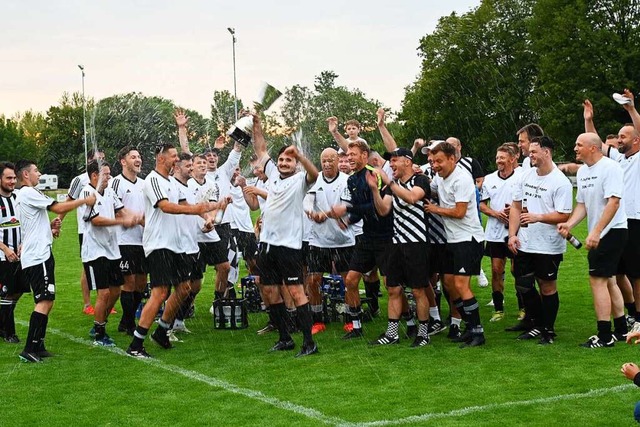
x,y
181,50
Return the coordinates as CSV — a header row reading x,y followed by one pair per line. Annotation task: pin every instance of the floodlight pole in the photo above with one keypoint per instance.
x,y
233,45
84,117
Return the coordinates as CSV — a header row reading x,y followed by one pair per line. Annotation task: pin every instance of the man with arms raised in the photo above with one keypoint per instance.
x,y
36,256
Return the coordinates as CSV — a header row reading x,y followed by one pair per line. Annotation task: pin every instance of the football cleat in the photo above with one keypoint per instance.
x,y
385,340
595,342
104,342
268,328
140,353
89,310
474,341
162,339
497,316
283,345
435,327
307,349
318,327
354,333
420,341
12,339
530,334
454,332
29,357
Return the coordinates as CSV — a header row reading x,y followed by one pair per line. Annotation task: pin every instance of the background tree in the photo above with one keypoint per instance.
x,y
14,145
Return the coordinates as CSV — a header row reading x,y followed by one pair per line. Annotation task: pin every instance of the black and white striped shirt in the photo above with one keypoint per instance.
x,y
409,220
9,224
436,225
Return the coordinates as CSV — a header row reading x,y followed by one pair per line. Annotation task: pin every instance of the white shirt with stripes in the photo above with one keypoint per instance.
x,y
10,232
131,194
161,229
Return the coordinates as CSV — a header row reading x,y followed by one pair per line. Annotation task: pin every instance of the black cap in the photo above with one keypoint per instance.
x,y
399,152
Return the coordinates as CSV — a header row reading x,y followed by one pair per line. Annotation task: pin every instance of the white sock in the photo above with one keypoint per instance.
x,y
455,321
434,313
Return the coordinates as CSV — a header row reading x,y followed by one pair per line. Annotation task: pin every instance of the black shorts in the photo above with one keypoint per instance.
x,y
224,232
630,260
305,253
103,273
542,266
408,265
436,257
247,244
212,253
604,260
497,250
323,260
370,254
463,258
12,279
80,239
279,265
42,280
132,260
167,268
193,264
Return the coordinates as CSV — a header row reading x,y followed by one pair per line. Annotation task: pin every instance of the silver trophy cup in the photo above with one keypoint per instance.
x,y
242,130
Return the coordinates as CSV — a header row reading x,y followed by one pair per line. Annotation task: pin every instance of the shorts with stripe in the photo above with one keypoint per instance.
x,y
463,258
324,260
167,268
408,265
42,280
132,260
103,273
604,260
12,279
630,260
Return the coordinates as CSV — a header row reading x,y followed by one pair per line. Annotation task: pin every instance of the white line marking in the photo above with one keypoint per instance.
x,y
214,382
493,406
326,419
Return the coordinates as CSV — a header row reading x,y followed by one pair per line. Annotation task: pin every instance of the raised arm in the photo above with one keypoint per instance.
x,y
631,109
387,139
417,145
587,113
69,205
337,136
181,120
312,171
259,143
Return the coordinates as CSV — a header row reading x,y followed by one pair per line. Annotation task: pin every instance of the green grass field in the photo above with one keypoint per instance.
x,y
227,378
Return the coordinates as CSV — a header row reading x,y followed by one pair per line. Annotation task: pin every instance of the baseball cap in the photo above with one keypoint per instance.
x,y
399,152
434,143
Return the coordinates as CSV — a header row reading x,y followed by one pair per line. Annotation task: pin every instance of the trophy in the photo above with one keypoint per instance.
x,y
242,130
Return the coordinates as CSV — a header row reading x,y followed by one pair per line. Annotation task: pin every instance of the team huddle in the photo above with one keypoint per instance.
x,y
363,216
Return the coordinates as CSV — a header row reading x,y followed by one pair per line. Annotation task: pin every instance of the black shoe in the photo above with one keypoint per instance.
x,y
421,341
29,357
412,331
268,328
435,327
547,338
308,349
140,353
162,339
618,336
385,340
464,337
530,334
454,332
475,341
355,333
44,353
12,339
521,326
191,313
595,342
284,345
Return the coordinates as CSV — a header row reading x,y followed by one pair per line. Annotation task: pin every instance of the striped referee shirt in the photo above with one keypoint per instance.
x,y
409,220
9,224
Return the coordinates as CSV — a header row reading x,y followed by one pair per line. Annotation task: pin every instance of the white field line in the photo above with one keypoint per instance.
x,y
494,406
214,382
326,419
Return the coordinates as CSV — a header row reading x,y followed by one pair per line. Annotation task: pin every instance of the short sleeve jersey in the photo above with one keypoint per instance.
x,y
101,241
459,187
498,191
10,232
409,220
36,228
131,194
240,215
161,230
77,184
205,192
327,193
596,184
631,169
222,177
543,194
188,224
282,216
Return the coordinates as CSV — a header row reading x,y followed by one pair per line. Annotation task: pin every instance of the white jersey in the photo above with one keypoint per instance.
x,y
189,226
526,163
459,187
326,193
499,191
77,184
161,229
596,184
240,215
206,192
101,241
10,232
543,194
631,168
263,185
282,217
222,177
36,228
131,194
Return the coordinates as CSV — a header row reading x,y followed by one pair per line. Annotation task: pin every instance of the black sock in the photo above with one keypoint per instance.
x,y
4,310
128,309
620,325
37,323
279,313
305,320
355,315
550,306
533,306
371,291
472,311
631,308
138,337
185,306
604,330
498,300
520,300
100,329
459,305
45,322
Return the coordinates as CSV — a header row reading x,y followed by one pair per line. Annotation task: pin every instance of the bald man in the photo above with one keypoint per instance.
x,y
599,199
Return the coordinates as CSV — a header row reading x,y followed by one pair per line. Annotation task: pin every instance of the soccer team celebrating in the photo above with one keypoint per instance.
x,y
363,216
